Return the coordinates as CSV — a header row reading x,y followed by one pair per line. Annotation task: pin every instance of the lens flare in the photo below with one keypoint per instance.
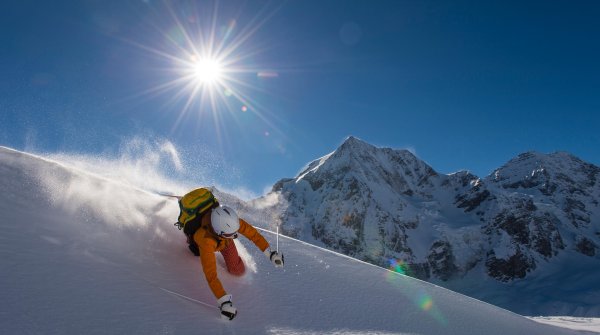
x,y
398,266
422,300
208,63
267,74
425,302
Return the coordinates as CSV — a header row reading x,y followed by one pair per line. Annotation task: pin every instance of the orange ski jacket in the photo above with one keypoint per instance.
x,y
208,242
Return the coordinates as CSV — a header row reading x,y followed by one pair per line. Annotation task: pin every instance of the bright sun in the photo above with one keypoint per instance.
x,y
207,71
207,58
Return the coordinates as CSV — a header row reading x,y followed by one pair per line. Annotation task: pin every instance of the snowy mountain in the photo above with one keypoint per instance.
x,y
531,225
85,254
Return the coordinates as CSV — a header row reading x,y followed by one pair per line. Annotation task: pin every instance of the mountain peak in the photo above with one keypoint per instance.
x,y
353,139
354,143
549,173
533,160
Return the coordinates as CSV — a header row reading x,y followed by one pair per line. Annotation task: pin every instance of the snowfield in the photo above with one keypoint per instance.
x,y
588,324
85,254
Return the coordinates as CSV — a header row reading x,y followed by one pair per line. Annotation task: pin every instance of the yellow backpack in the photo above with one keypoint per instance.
x,y
194,204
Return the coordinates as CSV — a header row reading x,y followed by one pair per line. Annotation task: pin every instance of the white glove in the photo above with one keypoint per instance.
x,y
275,257
228,312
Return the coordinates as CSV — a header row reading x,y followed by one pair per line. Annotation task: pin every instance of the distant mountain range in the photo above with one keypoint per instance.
x,y
526,237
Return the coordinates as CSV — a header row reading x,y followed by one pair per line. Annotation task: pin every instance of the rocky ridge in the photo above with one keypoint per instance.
x,y
390,208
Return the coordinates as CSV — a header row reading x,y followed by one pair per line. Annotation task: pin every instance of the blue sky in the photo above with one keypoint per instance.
x,y
463,84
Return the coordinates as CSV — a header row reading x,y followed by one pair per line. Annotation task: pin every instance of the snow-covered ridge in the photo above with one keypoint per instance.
x,y
84,254
502,238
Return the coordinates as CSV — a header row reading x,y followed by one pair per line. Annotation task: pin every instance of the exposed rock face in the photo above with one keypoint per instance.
x,y
586,246
507,269
382,206
441,260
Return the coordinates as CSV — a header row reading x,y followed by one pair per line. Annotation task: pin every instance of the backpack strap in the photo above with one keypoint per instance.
x,y
198,222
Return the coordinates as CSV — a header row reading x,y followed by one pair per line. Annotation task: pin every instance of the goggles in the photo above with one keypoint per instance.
x,y
231,236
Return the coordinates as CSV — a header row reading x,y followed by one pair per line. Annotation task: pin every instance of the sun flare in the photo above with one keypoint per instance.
x,y
210,64
207,71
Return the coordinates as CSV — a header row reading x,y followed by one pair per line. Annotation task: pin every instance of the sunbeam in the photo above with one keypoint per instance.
x,y
210,65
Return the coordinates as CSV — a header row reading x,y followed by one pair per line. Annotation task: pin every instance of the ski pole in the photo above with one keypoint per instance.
x,y
178,197
277,239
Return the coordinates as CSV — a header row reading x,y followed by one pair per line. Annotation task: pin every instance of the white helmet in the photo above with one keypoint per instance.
x,y
225,221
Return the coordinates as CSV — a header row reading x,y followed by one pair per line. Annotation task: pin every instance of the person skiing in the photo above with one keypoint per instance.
x,y
216,229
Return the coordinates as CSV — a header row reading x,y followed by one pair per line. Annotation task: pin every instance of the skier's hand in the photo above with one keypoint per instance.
x,y
228,312
275,257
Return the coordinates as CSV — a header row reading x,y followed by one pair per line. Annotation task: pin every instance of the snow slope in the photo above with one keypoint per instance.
x,y
588,324
80,253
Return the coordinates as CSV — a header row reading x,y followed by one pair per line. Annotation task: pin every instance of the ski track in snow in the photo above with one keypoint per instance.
x,y
84,254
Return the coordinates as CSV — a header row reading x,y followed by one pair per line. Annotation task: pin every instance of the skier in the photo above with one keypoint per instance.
x,y
217,229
